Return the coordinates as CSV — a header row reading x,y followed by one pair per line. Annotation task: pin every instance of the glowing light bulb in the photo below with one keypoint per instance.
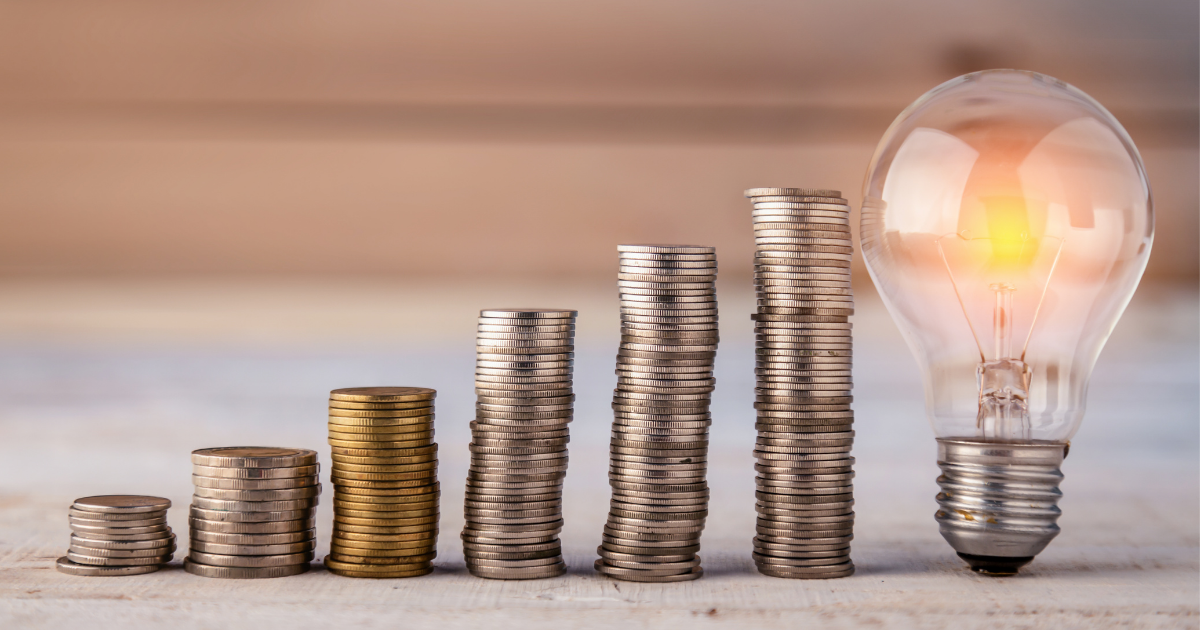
x,y
1006,222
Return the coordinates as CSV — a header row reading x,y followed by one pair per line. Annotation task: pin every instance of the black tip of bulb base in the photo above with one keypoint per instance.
x,y
996,566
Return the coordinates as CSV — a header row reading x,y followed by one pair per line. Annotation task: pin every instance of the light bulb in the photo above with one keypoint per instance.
x,y
1006,222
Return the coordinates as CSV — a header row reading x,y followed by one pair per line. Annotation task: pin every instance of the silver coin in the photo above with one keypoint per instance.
x,y
244,572
117,527
153,552
252,539
254,484
255,473
89,542
233,527
122,504
239,516
115,517
254,457
106,561
96,530
253,506
252,550
220,560
65,565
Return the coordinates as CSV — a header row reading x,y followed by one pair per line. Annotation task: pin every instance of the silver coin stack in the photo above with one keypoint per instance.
x,y
524,359
659,446
252,512
118,535
804,389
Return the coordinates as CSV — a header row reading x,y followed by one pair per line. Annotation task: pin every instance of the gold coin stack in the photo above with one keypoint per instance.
x,y
384,474
118,535
252,512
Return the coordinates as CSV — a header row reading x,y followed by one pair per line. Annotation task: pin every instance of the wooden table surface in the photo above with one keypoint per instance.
x,y
88,408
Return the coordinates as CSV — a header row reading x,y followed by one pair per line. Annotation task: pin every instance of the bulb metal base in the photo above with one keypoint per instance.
x,y
999,500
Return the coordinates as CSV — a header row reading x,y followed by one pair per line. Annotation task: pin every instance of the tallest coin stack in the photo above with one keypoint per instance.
x,y
659,446
803,394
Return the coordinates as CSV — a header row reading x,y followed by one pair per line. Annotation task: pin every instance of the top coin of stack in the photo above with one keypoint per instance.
x,y
519,438
252,512
385,502
659,446
118,535
803,394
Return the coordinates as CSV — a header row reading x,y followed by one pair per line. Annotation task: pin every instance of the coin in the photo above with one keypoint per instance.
x,y
118,526
218,560
154,552
254,484
382,394
254,457
122,545
122,504
204,570
521,573
253,539
65,565
109,561
224,472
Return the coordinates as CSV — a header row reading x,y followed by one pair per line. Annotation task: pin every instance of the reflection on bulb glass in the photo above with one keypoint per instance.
x,y
1006,222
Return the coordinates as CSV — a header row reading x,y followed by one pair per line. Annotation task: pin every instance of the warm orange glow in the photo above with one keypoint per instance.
x,y
1008,230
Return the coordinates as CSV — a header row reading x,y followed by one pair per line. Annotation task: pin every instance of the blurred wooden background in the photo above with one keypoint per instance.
x,y
525,138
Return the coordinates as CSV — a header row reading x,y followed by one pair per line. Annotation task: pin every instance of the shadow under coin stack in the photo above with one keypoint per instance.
x,y
118,535
252,512
519,441
803,347
659,446
385,504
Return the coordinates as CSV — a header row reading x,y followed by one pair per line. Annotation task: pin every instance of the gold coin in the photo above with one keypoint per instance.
x,y
383,556
376,448
415,404
386,522
337,475
387,503
346,503
421,543
370,440
379,530
429,449
388,495
383,485
380,575
384,461
369,514
342,536
406,425
380,413
383,394
373,568
385,468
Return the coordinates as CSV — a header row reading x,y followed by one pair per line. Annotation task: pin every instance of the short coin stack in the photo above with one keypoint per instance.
x,y
659,446
385,504
524,402
803,395
118,535
252,512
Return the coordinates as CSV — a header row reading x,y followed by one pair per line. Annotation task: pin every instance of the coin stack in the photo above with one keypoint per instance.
x,y
524,402
659,446
252,512
385,504
118,535
803,347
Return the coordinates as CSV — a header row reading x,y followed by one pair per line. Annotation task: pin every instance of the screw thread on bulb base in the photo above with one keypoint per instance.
x,y
998,507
